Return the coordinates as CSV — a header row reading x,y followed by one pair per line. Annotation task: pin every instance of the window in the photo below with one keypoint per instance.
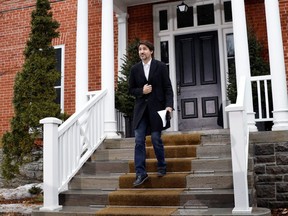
x,y
205,14
185,19
163,18
227,11
165,52
59,53
230,50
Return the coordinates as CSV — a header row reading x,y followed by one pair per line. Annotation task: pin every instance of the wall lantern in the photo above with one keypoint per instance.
x,y
182,7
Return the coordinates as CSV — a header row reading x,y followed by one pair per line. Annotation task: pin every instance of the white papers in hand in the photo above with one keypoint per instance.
x,y
162,114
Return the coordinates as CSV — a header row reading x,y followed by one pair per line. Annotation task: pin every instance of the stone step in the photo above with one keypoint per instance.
x,y
212,164
216,164
127,143
196,211
128,154
124,166
222,137
95,182
213,180
99,167
188,198
113,154
214,151
220,212
70,210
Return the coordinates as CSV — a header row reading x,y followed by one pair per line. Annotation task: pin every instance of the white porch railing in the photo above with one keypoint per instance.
x,y
264,109
239,135
68,147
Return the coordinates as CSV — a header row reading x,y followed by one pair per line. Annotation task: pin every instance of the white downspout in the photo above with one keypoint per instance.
x,y
277,65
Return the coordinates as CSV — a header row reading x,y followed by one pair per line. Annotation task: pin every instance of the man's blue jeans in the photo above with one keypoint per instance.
x,y
140,151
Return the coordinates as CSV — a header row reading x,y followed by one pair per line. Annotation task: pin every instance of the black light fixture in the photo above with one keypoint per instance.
x,y
182,7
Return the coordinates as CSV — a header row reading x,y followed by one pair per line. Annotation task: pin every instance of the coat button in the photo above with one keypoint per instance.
x,y
146,100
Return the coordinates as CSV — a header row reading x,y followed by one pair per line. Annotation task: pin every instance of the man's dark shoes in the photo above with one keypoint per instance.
x,y
161,172
140,180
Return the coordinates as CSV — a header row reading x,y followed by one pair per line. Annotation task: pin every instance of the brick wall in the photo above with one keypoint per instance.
x,y
255,15
283,4
140,22
15,16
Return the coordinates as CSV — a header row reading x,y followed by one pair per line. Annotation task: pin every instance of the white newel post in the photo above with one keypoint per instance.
x,y
107,67
277,65
50,164
242,61
82,54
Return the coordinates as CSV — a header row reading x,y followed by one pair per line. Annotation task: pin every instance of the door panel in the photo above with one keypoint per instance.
x,y
198,81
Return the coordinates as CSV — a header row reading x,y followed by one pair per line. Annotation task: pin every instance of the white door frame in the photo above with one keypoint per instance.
x,y
169,35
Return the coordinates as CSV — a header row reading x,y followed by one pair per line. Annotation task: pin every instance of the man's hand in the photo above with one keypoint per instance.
x,y
147,89
169,109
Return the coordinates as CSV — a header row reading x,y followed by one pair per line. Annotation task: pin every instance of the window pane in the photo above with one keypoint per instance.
x,y
58,98
164,52
58,53
163,20
227,11
185,19
205,14
230,45
58,56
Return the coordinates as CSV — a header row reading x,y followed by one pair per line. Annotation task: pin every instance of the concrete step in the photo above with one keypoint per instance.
x,y
70,210
220,212
214,151
215,164
188,198
95,182
196,211
119,143
208,180
212,164
84,198
222,137
128,154
100,167
113,154
213,180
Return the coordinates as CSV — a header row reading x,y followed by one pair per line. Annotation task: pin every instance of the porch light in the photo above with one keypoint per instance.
x,y
182,7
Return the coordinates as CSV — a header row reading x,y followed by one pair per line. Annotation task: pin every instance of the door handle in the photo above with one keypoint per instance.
x,y
178,88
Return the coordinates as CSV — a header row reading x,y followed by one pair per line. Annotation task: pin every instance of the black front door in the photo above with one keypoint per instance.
x,y
198,81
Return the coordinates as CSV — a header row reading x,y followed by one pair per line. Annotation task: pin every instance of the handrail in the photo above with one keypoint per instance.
x,y
239,136
68,147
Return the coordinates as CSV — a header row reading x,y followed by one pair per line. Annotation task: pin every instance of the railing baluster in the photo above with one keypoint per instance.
x,y
259,98
266,99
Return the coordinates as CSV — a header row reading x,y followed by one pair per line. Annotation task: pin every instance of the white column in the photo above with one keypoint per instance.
x,y
82,54
107,66
277,65
242,61
50,164
122,38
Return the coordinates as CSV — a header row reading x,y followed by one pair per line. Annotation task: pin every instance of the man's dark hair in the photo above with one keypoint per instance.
x,y
148,44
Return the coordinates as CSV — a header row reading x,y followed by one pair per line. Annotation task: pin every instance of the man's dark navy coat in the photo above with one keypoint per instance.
x,y
160,97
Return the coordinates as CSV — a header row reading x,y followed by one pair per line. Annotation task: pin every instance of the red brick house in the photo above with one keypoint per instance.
x,y
197,46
